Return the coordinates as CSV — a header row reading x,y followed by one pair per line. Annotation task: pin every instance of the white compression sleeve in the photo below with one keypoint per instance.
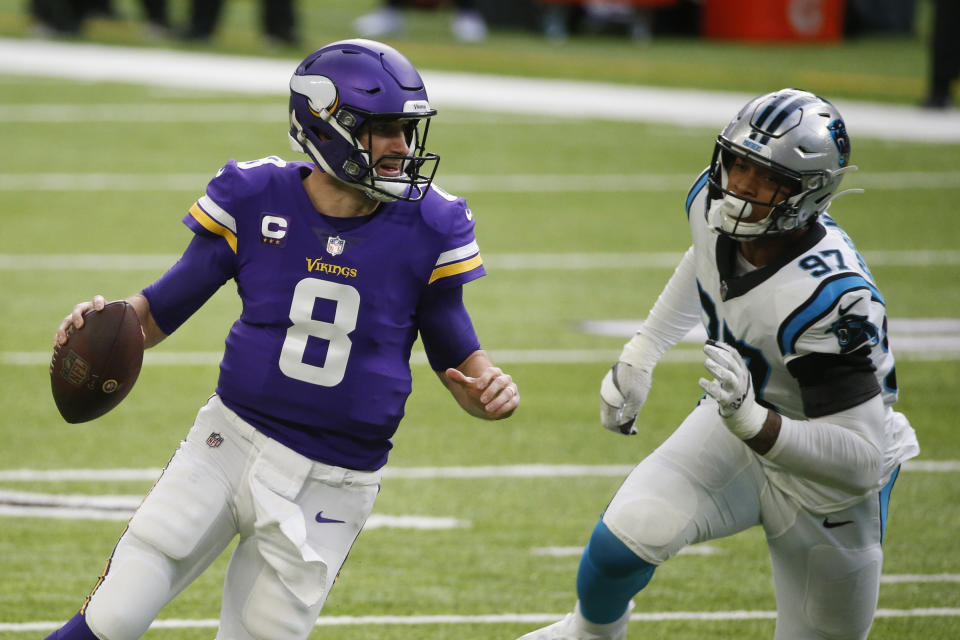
x,y
844,449
676,311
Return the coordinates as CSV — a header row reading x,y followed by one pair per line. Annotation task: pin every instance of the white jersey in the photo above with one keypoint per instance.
x,y
811,327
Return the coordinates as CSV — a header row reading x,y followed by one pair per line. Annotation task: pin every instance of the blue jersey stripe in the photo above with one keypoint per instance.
x,y
819,304
695,189
885,502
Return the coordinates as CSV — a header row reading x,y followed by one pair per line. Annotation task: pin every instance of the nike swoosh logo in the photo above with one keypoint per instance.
x,y
321,519
843,311
826,523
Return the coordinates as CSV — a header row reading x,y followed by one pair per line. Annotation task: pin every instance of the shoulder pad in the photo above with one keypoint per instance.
x,y
236,181
445,213
698,186
845,312
458,260
228,195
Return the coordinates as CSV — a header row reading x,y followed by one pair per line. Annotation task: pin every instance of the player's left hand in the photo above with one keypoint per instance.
x,y
493,392
623,392
733,390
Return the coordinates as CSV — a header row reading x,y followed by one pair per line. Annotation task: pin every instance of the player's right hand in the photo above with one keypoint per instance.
x,y
732,388
622,393
74,320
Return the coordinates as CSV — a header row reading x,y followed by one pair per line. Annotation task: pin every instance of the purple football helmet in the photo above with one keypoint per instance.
x,y
338,95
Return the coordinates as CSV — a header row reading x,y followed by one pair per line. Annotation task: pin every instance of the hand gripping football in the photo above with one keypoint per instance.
x,y
96,368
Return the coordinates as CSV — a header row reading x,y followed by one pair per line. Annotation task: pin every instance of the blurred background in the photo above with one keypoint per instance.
x,y
871,49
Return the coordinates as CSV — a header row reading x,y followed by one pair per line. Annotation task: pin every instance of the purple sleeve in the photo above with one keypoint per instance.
x,y
204,267
445,328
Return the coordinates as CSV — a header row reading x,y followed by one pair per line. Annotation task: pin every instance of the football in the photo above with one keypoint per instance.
x,y
99,364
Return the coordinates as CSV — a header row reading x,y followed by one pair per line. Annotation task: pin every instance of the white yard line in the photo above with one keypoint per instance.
x,y
80,475
710,550
528,356
25,504
915,577
496,261
497,618
375,521
149,112
913,339
86,262
193,182
176,110
575,552
426,473
909,349
209,72
472,183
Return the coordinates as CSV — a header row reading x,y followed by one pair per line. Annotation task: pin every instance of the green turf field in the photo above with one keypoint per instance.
x,y
557,258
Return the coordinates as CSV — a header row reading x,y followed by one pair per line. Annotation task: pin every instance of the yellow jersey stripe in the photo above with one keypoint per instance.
x,y
217,213
213,226
455,268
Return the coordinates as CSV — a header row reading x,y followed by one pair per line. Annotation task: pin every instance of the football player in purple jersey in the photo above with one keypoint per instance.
x,y
796,431
341,262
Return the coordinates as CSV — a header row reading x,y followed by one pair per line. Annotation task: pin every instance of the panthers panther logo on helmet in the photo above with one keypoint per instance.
x,y
840,138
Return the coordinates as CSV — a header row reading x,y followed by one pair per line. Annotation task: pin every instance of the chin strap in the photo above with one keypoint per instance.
x,y
302,144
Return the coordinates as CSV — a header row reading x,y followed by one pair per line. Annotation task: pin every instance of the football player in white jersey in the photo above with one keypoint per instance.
x,y
796,431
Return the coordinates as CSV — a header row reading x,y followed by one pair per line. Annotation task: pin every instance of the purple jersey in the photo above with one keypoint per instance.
x,y
319,358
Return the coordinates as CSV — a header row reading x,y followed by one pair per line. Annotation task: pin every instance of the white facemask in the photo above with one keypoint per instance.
x,y
728,215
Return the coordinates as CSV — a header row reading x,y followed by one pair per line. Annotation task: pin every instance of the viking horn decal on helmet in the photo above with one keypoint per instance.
x,y
320,91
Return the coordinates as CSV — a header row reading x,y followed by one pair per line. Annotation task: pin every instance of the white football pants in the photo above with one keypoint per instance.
x,y
704,483
296,519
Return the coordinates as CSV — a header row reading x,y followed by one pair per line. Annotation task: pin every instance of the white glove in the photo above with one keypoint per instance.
x,y
732,389
623,391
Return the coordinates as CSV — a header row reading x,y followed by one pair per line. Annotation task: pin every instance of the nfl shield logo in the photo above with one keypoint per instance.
x,y
75,369
214,440
335,245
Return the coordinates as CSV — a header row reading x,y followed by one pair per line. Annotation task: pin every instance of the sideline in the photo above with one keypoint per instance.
x,y
478,92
